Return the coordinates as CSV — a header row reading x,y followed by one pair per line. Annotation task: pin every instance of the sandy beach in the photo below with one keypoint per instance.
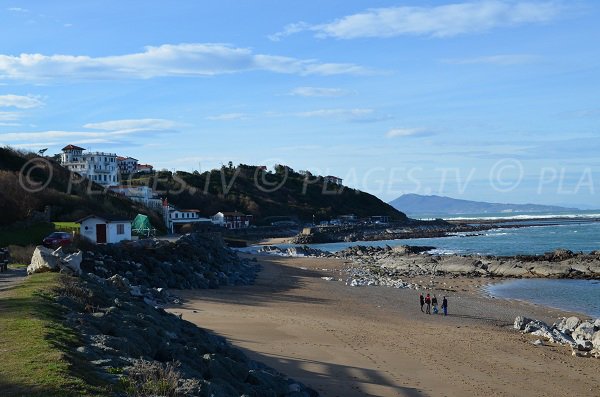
x,y
374,341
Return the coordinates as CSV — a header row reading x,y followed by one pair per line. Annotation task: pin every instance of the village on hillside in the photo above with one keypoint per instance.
x,y
111,170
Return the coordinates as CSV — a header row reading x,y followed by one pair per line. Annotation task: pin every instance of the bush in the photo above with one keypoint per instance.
x,y
151,378
21,254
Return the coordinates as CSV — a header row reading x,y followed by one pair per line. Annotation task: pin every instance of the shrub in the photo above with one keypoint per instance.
x,y
151,378
20,254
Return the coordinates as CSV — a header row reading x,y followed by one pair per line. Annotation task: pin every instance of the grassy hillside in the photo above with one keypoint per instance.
x,y
30,183
266,195
34,342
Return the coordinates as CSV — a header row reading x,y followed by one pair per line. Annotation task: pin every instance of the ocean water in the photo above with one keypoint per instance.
x,y
575,233
582,296
532,240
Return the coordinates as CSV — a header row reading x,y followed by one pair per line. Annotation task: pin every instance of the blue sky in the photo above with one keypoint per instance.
x,y
486,100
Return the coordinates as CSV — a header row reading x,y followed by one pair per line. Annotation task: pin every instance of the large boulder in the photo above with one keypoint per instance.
x,y
568,325
521,322
585,331
72,263
43,260
596,340
571,323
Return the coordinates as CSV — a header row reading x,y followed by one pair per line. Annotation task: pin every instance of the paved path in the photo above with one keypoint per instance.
x,y
11,278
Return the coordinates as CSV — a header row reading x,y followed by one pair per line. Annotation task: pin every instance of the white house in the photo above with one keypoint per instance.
x,y
144,168
176,218
127,165
99,167
231,220
101,230
140,194
333,179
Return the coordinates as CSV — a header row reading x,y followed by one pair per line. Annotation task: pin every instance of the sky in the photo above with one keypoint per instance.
x,y
485,100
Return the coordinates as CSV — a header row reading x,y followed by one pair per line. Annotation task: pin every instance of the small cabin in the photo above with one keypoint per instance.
x,y
102,230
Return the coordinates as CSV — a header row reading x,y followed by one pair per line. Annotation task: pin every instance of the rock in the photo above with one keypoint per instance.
x,y
43,260
597,324
538,342
136,291
584,345
596,340
72,263
562,338
584,331
119,282
568,325
521,322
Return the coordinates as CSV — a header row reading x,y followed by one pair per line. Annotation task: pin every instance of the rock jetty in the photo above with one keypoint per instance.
x,y
193,261
583,336
403,261
131,343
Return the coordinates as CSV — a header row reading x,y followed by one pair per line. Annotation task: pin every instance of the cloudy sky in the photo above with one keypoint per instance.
x,y
492,100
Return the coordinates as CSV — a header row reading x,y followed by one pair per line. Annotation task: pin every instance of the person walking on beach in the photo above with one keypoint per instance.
x,y
422,300
445,306
434,303
428,303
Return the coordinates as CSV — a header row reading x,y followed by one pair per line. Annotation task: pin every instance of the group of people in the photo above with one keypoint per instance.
x,y
432,302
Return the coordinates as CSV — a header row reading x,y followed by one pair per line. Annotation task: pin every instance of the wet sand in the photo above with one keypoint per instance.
x,y
374,341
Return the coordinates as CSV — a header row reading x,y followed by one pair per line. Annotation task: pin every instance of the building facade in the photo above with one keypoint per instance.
x,y
176,218
127,165
333,179
144,168
100,230
141,194
98,167
232,220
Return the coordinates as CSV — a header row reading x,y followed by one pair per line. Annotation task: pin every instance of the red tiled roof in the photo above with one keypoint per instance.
x,y
72,147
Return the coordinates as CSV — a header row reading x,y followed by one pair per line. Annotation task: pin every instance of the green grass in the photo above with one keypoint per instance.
x,y
71,227
25,236
34,344
17,266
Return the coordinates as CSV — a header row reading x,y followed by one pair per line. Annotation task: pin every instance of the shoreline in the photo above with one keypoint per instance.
x,y
357,341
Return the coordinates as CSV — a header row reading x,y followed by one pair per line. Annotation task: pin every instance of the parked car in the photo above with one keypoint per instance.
x,y
58,239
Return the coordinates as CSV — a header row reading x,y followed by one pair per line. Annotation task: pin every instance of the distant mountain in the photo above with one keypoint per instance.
x,y
416,204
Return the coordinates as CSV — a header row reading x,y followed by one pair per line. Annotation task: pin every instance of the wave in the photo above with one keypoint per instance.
x,y
525,217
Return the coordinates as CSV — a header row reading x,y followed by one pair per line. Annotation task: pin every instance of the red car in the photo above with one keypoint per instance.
x,y
58,239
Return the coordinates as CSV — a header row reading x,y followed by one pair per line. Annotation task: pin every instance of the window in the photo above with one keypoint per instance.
x,y
120,228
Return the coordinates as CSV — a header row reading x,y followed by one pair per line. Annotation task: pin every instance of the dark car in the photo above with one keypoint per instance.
x,y
58,239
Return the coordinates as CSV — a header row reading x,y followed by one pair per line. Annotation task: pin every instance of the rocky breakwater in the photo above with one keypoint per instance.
x,y
376,232
296,251
137,348
193,261
583,336
404,262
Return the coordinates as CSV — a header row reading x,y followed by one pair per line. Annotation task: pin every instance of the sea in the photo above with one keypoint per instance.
x,y
537,234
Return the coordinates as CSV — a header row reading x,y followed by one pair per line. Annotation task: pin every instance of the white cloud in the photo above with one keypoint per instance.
x,y
507,59
19,101
346,114
194,59
9,116
435,21
407,132
289,30
104,132
228,116
17,9
318,92
133,124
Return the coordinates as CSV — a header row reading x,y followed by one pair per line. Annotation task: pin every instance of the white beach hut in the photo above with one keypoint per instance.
x,y
104,230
